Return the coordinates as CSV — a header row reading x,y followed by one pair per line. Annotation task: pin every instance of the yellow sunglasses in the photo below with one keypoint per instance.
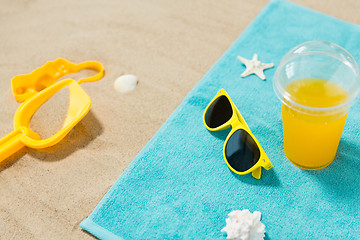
x,y
242,151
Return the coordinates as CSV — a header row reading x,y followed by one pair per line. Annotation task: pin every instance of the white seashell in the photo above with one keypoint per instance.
x,y
126,83
244,225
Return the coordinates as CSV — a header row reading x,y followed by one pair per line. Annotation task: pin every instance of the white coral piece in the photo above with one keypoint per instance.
x,y
244,225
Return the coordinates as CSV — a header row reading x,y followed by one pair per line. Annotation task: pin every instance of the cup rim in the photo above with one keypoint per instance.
x,y
284,96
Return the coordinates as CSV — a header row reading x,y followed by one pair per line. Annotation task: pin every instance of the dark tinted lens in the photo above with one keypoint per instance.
x,y
219,112
241,151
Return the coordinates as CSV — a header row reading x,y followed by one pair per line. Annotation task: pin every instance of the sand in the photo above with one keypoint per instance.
x,y
168,45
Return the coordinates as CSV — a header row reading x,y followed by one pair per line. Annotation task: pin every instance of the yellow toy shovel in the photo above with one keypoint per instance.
x,y
34,97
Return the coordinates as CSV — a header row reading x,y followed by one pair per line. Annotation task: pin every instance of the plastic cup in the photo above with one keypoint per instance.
x,y
317,82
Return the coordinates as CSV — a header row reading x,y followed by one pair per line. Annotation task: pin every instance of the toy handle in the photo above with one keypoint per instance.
x,y
10,144
93,65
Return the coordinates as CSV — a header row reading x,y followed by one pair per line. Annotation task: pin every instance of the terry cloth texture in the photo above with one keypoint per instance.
x,y
179,187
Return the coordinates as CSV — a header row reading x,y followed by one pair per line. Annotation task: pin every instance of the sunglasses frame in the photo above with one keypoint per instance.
x,y
237,122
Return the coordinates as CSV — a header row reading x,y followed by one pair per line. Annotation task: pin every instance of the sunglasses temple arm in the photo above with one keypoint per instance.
x,y
256,173
268,165
10,144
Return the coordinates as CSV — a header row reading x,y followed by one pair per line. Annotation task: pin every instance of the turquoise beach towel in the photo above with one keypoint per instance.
x,y
179,186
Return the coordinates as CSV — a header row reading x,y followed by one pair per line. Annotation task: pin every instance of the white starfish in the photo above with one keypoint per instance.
x,y
254,66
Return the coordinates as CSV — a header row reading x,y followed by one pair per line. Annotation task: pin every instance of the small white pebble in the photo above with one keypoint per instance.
x,y
126,83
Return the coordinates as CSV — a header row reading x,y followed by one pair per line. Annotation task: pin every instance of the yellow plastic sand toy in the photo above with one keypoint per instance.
x,y
35,89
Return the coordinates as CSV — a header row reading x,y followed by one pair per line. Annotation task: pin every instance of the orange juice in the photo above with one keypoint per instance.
x,y
311,139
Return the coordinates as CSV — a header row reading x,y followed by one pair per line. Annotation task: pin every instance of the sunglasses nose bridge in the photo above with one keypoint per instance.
x,y
234,122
